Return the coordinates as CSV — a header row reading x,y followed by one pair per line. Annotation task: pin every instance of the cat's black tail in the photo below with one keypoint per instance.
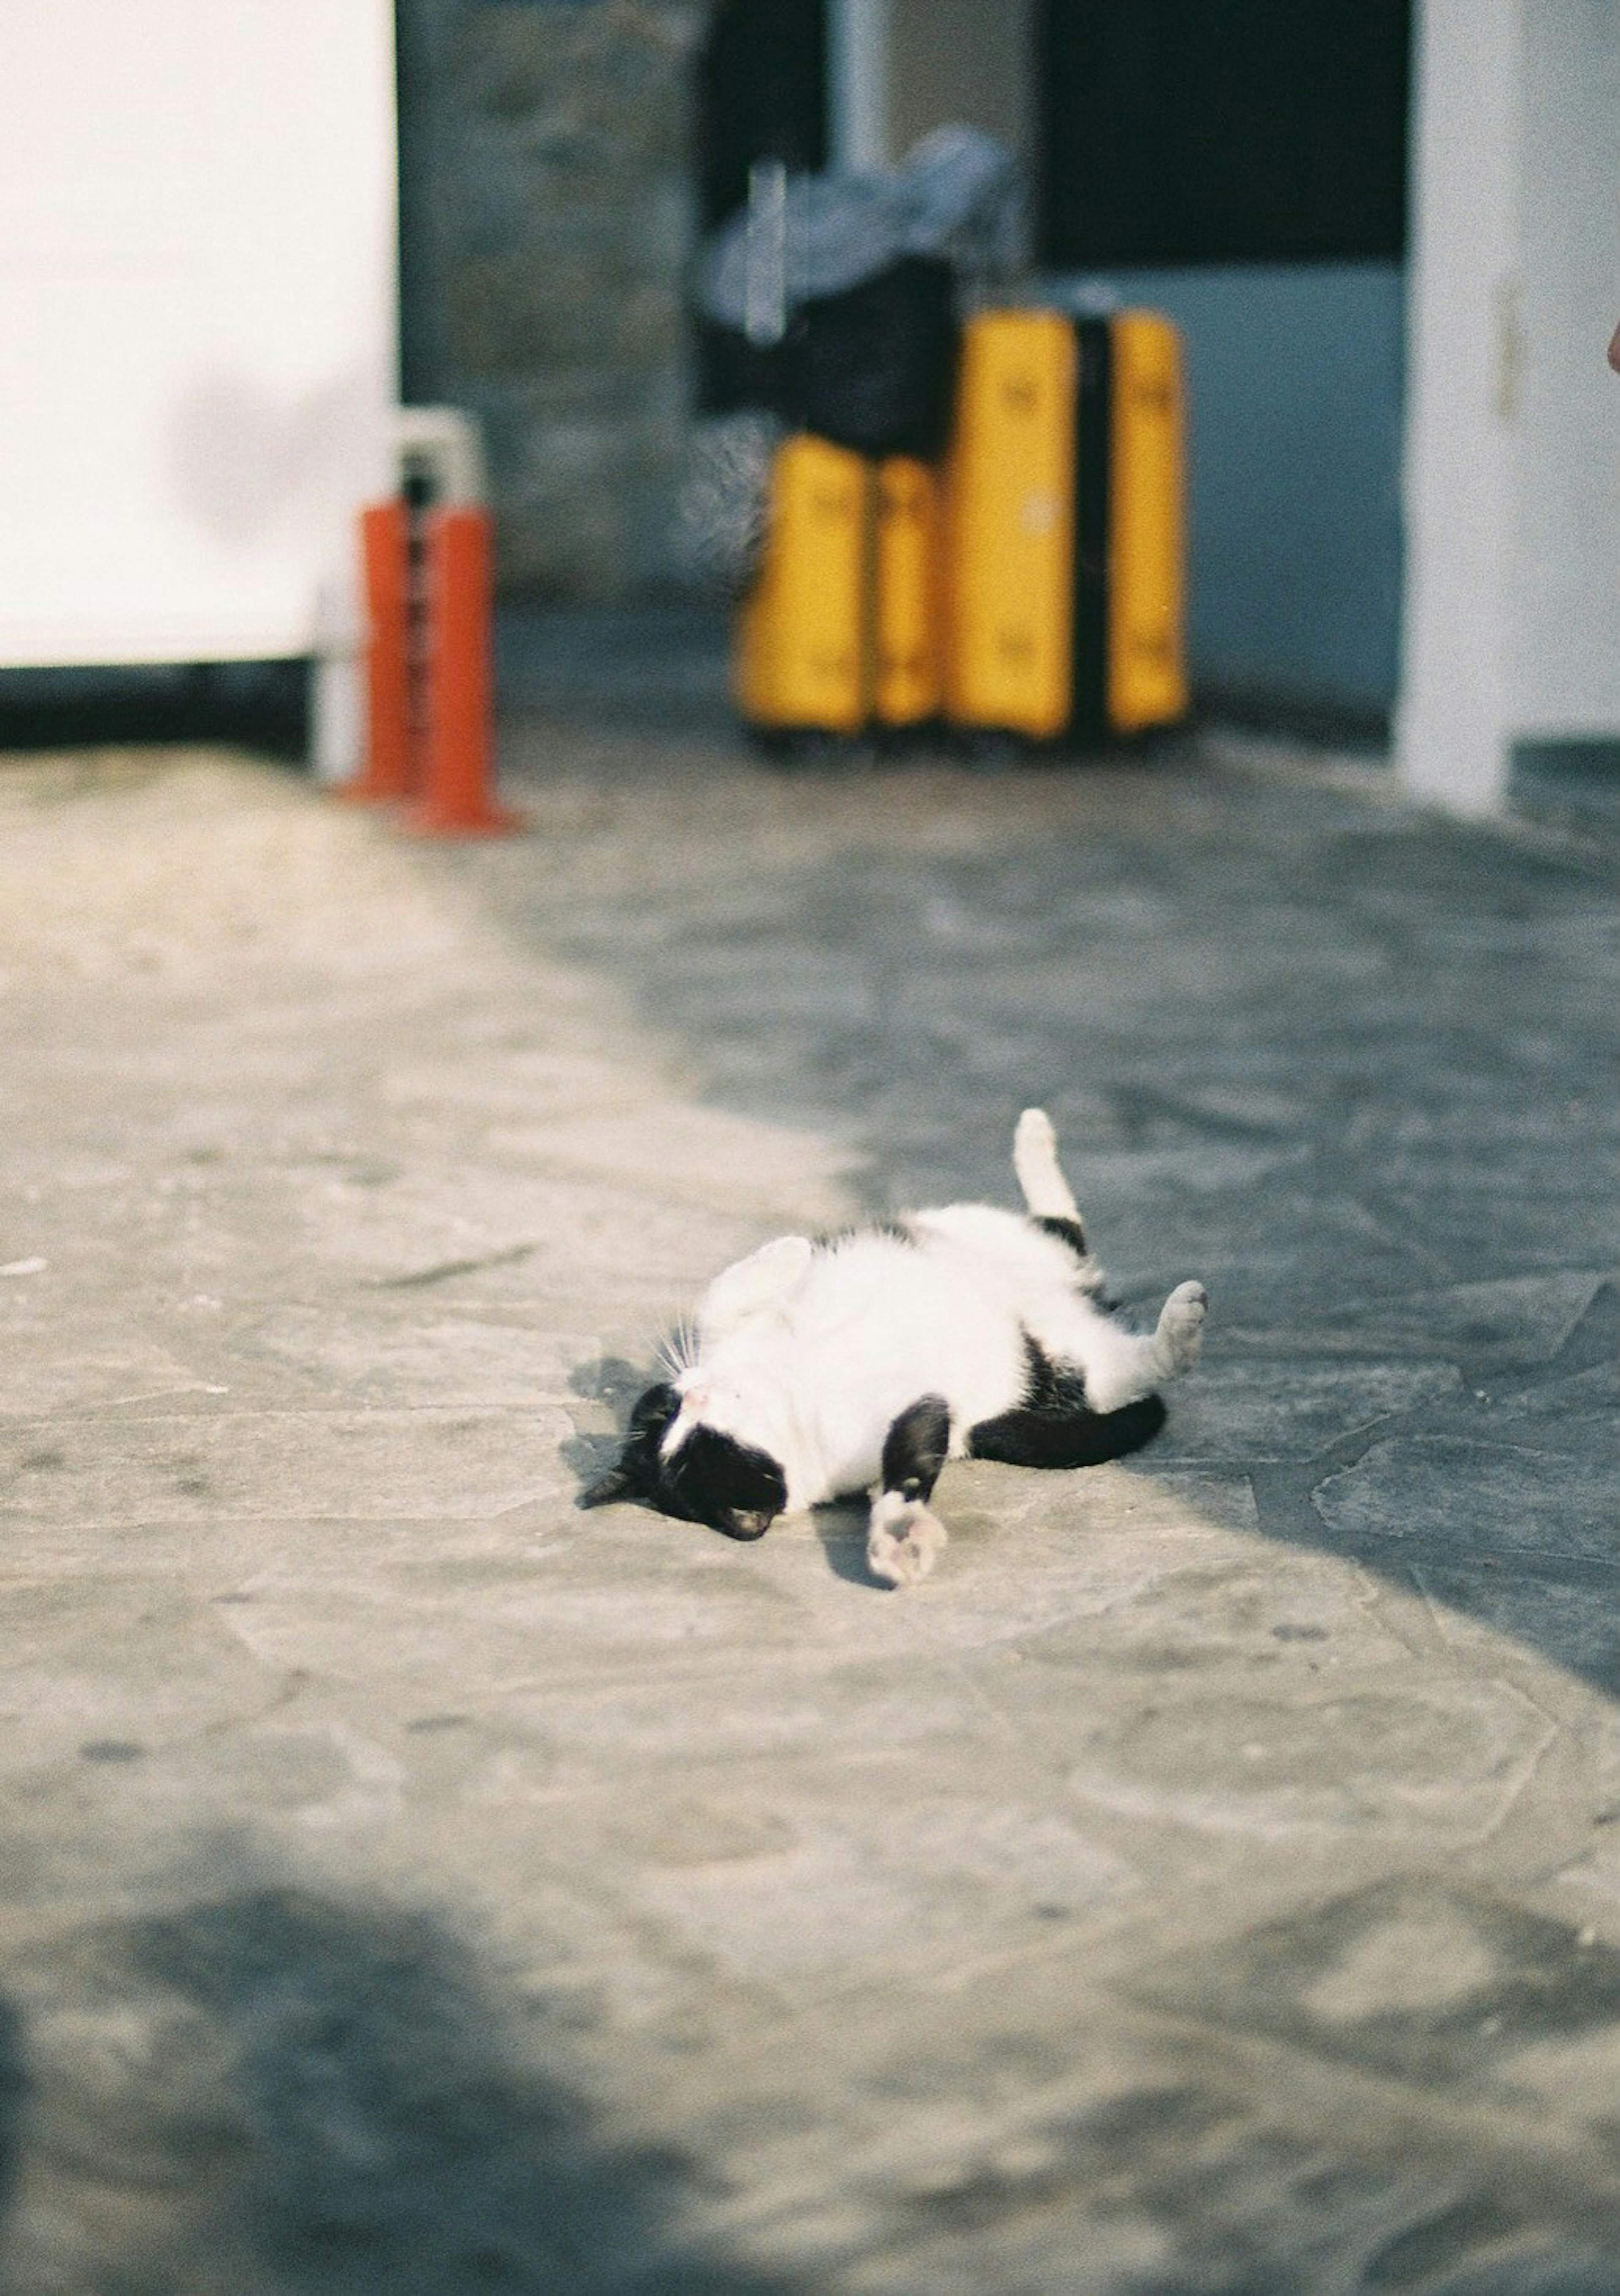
x,y
1032,1437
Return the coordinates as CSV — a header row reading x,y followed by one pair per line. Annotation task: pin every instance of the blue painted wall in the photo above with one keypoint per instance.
x,y
1295,376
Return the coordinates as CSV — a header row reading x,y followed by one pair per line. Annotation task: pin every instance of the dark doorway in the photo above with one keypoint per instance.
x,y
1222,131
418,94
761,94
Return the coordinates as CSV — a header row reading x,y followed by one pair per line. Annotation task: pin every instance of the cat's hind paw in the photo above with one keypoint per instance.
x,y
905,1540
1179,1337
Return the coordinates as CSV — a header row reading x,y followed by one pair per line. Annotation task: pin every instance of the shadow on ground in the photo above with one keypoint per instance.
x,y
280,2090
1343,1061
287,2093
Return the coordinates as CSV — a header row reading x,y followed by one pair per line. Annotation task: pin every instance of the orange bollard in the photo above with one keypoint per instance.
x,y
456,799
385,553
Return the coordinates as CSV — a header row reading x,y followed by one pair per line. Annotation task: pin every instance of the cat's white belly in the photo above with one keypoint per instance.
x,y
862,1355
817,1377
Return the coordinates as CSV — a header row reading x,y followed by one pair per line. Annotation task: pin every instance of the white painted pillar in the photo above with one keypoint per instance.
x,y
858,82
1512,606
1454,722
1567,522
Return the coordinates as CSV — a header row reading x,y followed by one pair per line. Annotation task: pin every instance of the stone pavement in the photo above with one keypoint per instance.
x,y
1210,1882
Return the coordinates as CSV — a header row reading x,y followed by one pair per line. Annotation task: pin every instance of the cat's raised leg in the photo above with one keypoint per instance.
x,y
1120,1365
904,1538
1178,1339
1047,1193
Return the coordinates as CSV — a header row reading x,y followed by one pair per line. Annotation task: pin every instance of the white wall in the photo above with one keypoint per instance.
x,y
1453,721
197,320
1512,604
1565,666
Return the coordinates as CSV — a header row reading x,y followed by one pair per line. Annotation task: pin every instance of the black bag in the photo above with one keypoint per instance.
x,y
830,301
874,368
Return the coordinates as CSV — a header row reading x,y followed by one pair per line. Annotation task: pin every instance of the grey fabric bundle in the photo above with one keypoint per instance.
x,y
724,503
955,196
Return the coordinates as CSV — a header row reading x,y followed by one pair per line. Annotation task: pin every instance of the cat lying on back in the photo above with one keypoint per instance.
x,y
815,1371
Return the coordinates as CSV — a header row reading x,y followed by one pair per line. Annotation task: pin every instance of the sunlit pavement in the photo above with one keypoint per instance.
x,y
1209,1882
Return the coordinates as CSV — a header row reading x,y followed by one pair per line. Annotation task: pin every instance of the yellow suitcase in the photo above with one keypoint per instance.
x,y
1146,667
907,572
804,660
1063,560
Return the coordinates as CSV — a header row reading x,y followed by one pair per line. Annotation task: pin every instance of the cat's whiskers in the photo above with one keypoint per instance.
x,y
677,1350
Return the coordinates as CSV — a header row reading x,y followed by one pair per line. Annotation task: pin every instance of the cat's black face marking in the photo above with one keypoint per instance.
x,y
731,1486
710,1478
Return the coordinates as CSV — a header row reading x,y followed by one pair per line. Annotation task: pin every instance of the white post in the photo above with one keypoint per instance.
x,y
337,708
1455,720
1567,514
858,83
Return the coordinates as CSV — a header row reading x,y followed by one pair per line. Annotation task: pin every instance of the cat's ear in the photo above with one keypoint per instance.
x,y
616,1484
766,1278
633,1474
653,1409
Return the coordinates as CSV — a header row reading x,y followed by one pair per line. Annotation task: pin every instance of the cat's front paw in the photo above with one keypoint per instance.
x,y
904,1542
1181,1332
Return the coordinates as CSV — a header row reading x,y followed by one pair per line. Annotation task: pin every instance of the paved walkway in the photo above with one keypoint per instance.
x,y
1210,1882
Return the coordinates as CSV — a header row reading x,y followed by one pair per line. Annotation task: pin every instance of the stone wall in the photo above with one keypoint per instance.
x,y
549,208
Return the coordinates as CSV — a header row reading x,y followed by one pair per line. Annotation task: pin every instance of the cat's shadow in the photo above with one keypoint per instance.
x,y
841,1526
603,1379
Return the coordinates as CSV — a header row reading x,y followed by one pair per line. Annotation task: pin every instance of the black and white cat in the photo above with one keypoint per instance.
x,y
815,1371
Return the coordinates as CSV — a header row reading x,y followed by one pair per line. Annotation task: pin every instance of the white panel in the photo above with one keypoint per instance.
x,y
1453,724
1566,657
197,319
1512,624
